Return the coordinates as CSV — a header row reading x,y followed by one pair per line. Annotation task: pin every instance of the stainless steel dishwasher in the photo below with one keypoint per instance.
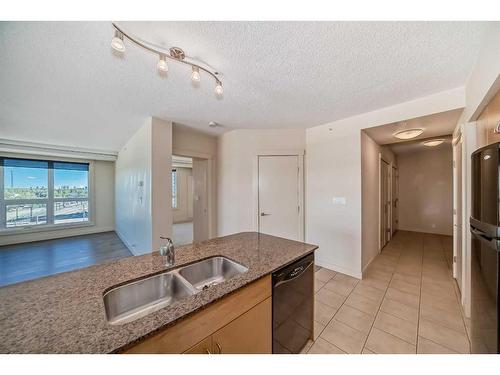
x,y
293,306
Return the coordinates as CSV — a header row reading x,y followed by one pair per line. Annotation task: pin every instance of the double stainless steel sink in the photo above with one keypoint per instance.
x,y
136,299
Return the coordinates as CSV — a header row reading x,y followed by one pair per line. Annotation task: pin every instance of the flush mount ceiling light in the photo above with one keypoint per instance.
x,y
174,53
433,142
408,133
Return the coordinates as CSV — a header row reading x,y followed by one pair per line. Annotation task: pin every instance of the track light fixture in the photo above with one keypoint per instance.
x,y
195,75
218,88
117,42
162,64
174,54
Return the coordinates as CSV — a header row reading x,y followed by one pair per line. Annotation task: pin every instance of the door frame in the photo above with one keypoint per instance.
x,y
211,204
394,198
300,155
389,191
458,200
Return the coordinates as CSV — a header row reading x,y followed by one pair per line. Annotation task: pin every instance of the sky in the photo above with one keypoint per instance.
x,y
31,177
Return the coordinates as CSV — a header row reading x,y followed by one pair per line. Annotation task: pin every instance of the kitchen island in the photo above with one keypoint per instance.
x,y
65,313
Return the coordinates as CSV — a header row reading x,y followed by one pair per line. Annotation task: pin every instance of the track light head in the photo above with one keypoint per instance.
x,y
173,54
162,65
219,91
117,42
195,75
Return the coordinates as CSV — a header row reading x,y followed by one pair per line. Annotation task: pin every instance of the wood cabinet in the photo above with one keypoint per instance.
x,y
248,334
238,323
203,347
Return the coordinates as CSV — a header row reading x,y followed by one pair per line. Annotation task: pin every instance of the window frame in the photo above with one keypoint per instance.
x,y
49,201
175,193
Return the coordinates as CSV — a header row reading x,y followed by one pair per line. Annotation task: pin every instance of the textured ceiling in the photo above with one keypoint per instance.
x,y
62,85
434,125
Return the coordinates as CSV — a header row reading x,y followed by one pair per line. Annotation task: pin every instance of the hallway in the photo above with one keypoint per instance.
x,y
407,302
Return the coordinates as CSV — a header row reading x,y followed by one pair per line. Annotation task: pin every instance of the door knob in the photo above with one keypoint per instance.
x,y
264,214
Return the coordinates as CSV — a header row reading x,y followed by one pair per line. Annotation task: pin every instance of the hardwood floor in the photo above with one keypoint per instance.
x,y
32,260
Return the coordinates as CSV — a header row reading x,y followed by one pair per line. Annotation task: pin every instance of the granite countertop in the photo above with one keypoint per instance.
x,y
65,313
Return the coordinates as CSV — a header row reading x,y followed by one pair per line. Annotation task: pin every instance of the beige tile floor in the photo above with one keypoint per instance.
x,y
407,302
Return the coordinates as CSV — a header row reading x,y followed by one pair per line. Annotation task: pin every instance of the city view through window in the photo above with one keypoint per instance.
x,y
38,192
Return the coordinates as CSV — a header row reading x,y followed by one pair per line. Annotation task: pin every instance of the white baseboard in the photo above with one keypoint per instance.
x,y
426,231
50,235
340,269
126,243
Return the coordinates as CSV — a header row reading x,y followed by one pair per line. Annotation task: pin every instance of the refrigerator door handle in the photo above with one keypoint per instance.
x,y
481,236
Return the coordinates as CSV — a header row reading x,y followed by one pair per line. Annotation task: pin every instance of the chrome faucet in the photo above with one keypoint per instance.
x,y
168,250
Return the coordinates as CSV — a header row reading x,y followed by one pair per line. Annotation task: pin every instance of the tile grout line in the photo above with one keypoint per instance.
x,y
437,323
392,314
459,301
400,256
420,295
336,312
378,310
333,316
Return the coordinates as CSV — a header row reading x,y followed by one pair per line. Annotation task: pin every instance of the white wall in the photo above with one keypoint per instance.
x,y
333,169
484,80
370,186
189,142
161,181
103,208
143,187
426,190
185,139
133,201
236,152
104,195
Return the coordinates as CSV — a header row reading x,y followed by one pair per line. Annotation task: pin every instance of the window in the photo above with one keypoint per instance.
x,y
42,192
174,188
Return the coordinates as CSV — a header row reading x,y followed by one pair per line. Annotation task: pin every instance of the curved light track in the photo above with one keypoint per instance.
x,y
163,53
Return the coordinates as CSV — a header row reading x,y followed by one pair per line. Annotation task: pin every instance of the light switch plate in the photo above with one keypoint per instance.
x,y
339,200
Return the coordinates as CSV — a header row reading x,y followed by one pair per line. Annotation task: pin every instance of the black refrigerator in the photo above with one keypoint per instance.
x,y
485,229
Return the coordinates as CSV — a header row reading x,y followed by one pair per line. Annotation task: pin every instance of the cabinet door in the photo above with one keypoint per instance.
x,y
203,347
248,334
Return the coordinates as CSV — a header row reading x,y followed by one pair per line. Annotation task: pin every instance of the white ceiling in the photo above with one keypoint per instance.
x,y
62,85
434,125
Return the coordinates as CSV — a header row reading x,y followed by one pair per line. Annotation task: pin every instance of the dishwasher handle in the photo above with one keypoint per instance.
x,y
286,277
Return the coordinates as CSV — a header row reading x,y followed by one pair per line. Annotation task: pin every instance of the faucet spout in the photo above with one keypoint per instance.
x,y
168,251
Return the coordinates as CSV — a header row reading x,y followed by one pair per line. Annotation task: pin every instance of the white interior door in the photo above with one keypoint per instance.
x,y
200,199
457,213
279,196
